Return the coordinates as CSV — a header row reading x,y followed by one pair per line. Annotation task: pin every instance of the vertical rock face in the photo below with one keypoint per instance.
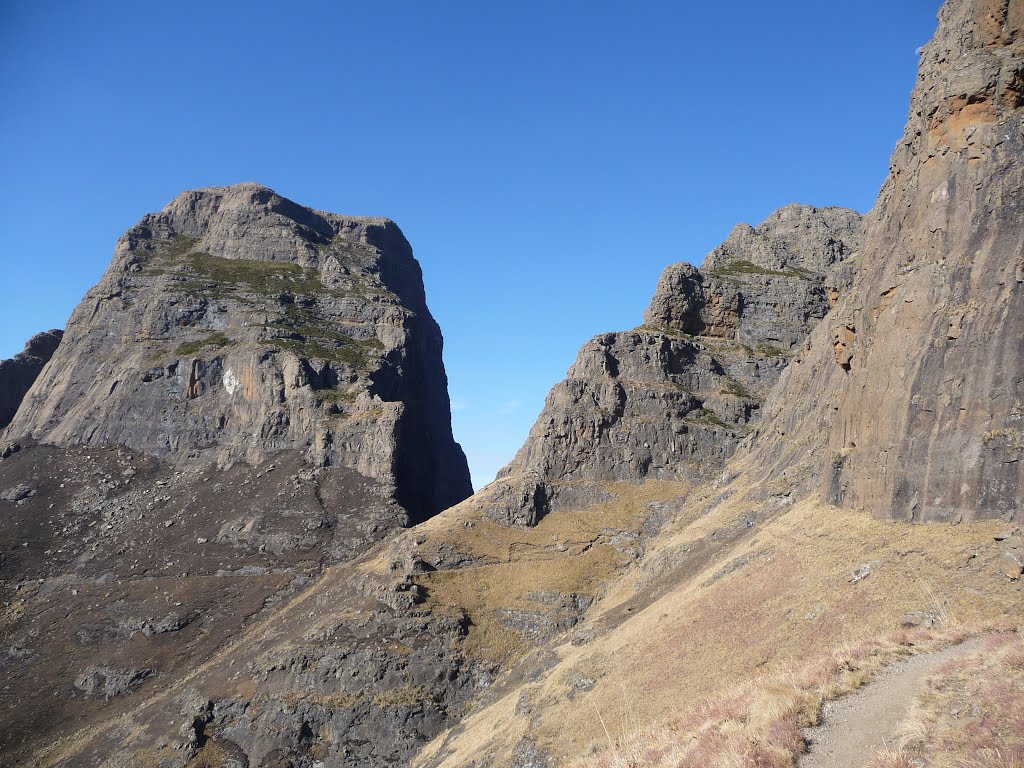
x,y
235,324
672,399
912,392
19,373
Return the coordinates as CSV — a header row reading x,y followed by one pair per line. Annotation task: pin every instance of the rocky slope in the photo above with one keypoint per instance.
x,y
901,404
253,393
18,374
672,399
624,574
910,394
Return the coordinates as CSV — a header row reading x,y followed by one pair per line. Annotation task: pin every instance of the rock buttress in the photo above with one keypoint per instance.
x,y
18,374
911,395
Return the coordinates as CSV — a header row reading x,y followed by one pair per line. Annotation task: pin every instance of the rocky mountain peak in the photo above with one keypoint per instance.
x,y
672,399
765,285
235,324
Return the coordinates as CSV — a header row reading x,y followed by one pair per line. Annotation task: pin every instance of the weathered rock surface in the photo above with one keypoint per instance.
x,y
18,374
235,324
252,396
766,285
671,400
911,394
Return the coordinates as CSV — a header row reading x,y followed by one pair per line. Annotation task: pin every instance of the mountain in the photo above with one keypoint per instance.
x,y
235,324
18,374
672,399
253,392
709,534
911,394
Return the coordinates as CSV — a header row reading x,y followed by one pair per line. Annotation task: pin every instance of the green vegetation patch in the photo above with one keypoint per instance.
x,y
708,418
351,352
337,395
310,339
664,330
215,340
736,388
202,269
263,277
742,267
770,350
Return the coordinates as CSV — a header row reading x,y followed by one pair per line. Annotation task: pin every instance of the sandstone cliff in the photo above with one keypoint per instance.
x,y
235,324
672,399
19,373
911,395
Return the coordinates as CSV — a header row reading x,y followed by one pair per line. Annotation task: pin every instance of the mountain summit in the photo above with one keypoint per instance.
x,y
236,324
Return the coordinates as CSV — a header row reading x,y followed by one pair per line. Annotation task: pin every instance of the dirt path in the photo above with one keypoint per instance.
x,y
857,725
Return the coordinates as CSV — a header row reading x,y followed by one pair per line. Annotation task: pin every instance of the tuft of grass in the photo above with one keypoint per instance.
x,y
215,340
344,350
708,418
970,714
761,722
743,267
737,389
664,330
167,252
770,350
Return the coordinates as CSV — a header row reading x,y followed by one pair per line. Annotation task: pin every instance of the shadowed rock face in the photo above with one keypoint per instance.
x,y
19,373
235,324
912,392
671,400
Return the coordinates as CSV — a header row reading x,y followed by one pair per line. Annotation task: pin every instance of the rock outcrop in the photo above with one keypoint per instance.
x,y
251,399
911,394
235,324
766,285
18,374
672,399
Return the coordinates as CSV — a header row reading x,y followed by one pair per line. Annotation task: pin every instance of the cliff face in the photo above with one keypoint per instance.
x,y
236,324
19,373
671,400
911,394
252,396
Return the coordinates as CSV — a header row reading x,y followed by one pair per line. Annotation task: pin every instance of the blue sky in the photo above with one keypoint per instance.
x,y
545,159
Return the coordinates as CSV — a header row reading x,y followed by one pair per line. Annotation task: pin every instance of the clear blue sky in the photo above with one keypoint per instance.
x,y
546,159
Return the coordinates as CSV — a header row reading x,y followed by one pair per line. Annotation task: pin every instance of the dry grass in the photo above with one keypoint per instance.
x,y
760,724
971,714
569,552
674,644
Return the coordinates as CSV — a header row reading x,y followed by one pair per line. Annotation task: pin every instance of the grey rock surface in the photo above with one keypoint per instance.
x,y
19,373
766,285
251,398
910,396
235,324
672,399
